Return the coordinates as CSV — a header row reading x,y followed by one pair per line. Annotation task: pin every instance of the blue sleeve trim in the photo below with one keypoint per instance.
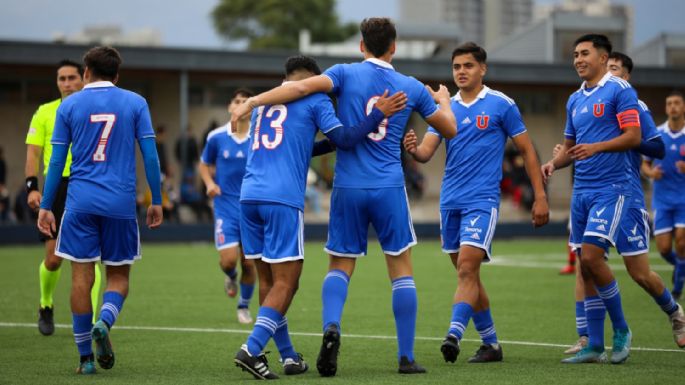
x,y
350,136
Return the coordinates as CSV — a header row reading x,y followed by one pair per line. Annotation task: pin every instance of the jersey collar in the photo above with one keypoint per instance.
x,y
674,135
601,83
99,84
481,95
380,63
234,136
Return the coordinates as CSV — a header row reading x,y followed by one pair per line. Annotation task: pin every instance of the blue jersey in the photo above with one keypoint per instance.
x,y
229,154
374,162
473,169
649,132
597,115
281,141
102,123
668,191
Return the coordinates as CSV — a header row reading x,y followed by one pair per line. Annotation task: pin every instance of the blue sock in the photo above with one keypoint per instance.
x,y
333,296
265,327
404,305
282,340
82,325
595,312
485,327
246,291
111,307
231,273
679,276
611,297
461,314
670,257
666,302
581,321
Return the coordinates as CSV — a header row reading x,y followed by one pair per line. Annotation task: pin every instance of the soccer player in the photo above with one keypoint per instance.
x,y
369,183
602,125
633,233
69,81
668,200
227,152
469,197
272,204
102,123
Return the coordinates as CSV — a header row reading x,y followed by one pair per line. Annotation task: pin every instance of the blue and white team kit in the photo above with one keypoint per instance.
x,y
600,189
103,123
470,196
272,194
229,155
368,187
634,229
668,200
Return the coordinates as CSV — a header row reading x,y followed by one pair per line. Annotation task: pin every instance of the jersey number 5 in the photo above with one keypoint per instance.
x,y
276,124
383,127
109,119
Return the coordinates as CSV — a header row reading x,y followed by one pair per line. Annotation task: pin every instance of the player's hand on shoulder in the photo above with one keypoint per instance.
x,y
46,222
540,212
213,190
547,171
154,216
410,142
390,105
442,94
34,199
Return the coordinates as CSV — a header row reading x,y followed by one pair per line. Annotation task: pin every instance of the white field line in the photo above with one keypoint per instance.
x,y
318,335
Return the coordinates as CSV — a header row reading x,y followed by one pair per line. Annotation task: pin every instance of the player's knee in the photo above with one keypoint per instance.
x,y
467,273
53,264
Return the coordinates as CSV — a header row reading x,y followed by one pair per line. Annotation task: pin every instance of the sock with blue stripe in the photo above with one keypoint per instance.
x,y
404,307
82,325
112,302
333,296
485,326
265,327
611,297
595,313
461,314
581,321
246,291
666,302
679,276
283,342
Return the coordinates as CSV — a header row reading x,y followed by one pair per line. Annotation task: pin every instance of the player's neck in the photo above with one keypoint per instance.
x,y
590,83
386,58
243,129
470,94
675,125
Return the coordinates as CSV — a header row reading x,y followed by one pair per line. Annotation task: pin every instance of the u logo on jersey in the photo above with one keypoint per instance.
x,y
682,150
482,121
598,110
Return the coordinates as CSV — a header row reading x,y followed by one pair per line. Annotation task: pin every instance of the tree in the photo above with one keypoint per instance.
x,y
277,23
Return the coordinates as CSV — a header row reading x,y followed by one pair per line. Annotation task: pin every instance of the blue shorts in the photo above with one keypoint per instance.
x,y
90,237
352,210
667,219
473,226
595,218
272,232
226,223
633,233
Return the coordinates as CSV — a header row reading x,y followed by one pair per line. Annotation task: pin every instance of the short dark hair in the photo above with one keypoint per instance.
x,y
471,48
242,91
301,62
378,33
103,62
71,63
598,41
675,93
625,60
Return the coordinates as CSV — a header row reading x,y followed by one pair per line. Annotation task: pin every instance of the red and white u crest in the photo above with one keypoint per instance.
x,y
482,121
598,110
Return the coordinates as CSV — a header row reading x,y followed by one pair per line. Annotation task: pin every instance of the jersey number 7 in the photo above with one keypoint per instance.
x,y
109,119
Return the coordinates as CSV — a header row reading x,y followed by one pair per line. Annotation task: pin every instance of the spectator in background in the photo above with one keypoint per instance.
x,y
311,194
160,140
4,193
212,126
413,177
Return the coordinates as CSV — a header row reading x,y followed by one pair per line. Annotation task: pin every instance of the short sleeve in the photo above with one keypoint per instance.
x,y
62,131
324,114
425,105
570,130
210,151
647,125
36,134
144,123
627,108
433,131
512,122
337,75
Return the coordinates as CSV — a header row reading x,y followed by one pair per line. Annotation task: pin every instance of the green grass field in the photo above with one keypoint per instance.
x,y
179,327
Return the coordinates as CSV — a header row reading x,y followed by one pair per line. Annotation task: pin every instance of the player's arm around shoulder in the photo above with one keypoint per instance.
x,y
443,120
